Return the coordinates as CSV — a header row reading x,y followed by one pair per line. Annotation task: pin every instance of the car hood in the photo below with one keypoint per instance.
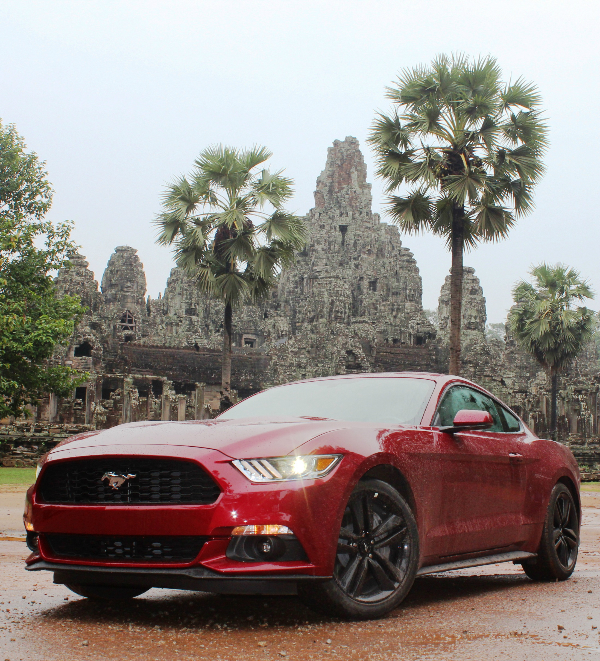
x,y
238,439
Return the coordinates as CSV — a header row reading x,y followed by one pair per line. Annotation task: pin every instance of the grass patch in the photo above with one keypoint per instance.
x,y
590,486
17,476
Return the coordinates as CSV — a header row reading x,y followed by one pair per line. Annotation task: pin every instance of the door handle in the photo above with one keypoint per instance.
x,y
516,458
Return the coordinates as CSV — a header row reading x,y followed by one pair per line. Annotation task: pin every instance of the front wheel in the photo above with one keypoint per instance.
x,y
377,556
559,545
106,591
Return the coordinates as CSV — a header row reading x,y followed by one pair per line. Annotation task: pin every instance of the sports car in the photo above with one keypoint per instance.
x,y
339,489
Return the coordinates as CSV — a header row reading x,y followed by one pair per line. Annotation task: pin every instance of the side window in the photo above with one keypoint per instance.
x,y
459,398
512,423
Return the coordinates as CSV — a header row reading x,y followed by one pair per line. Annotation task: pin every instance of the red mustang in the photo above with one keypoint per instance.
x,y
340,489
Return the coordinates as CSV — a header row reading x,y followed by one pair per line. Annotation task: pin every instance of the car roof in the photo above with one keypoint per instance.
x,y
432,376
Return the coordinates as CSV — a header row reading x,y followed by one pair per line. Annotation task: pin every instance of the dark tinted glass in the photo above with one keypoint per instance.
x,y
459,399
390,401
512,423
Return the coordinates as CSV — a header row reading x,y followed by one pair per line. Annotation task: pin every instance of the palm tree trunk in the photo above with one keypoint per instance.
x,y
553,402
456,289
226,363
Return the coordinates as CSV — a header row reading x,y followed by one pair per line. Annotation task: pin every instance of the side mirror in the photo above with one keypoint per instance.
x,y
469,421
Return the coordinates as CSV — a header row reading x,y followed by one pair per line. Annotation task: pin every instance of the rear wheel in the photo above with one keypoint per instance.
x,y
559,546
377,555
106,591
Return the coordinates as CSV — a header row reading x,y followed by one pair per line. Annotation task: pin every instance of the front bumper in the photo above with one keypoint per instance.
x,y
196,578
311,509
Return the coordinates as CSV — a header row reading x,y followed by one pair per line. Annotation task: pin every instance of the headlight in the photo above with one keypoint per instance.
x,y
279,469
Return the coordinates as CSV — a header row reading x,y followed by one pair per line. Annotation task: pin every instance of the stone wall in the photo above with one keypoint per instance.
x,y
22,443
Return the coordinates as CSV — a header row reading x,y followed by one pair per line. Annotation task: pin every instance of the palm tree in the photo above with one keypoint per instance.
x,y
464,151
545,324
230,232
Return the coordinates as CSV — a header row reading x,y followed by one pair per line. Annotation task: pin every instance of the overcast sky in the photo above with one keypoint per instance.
x,y
120,97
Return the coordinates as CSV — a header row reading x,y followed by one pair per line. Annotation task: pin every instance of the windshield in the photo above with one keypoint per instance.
x,y
385,400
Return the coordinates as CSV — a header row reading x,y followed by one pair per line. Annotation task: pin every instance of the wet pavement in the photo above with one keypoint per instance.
x,y
484,613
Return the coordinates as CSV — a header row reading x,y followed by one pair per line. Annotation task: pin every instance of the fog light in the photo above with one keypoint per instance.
x,y
266,546
252,546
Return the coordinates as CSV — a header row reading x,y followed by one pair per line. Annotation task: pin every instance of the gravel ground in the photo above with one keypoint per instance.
x,y
485,613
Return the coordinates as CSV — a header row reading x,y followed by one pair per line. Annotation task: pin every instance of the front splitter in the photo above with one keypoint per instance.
x,y
198,579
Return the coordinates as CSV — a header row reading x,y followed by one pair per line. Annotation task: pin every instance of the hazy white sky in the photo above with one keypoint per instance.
x,y
119,97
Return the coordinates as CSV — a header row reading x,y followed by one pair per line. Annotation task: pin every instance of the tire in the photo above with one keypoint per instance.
x,y
377,556
557,554
107,592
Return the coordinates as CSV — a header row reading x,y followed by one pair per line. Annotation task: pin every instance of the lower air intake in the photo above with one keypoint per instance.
x,y
125,549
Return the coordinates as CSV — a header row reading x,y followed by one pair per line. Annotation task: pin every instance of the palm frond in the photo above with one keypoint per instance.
x,y
285,228
180,197
264,262
522,94
412,213
272,188
254,157
388,131
169,225
464,188
240,248
523,161
231,287
220,166
421,169
492,222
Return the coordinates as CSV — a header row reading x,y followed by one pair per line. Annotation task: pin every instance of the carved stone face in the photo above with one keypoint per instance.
x,y
472,319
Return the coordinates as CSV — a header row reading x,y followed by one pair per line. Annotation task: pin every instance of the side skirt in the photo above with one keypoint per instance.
x,y
512,556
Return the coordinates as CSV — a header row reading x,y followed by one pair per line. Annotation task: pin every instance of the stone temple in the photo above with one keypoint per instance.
x,y
351,303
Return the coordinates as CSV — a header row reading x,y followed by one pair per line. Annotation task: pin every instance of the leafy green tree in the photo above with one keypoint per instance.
x,y
33,321
462,150
545,323
230,231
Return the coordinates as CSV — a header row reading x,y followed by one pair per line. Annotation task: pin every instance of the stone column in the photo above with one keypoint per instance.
x,y
52,407
166,401
181,408
126,414
199,404
90,397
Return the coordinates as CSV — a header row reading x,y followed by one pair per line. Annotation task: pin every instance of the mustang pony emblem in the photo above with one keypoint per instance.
x,y
116,480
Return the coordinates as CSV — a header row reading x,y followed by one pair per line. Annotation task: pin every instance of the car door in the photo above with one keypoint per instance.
x,y
483,484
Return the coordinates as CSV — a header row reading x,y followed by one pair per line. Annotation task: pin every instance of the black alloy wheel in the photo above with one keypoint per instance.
x,y
559,545
564,533
377,554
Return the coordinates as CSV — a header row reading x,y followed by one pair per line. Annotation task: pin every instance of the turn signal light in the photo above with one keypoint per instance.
x,y
271,529
28,514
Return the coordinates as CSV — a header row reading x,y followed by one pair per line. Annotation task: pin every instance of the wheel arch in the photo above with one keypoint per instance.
x,y
392,476
568,482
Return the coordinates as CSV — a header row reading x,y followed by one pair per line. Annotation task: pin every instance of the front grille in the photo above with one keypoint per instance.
x,y
152,481
125,549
